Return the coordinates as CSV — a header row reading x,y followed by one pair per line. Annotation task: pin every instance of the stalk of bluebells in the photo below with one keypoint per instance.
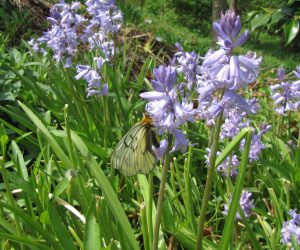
x,y
62,38
286,95
291,228
106,19
222,70
167,108
96,84
246,204
188,65
70,29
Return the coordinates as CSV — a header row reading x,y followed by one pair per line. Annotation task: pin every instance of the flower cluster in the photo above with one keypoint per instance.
x,y
70,30
286,95
188,65
224,72
94,79
221,73
291,229
165,107
62,38
246,204
106,19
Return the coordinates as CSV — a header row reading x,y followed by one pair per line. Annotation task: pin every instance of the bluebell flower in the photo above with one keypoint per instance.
x,y
167,108
106,18
256,145
233,163
297,72
227,29
246,203
69,29
291,228
164,106
160,151
280,73
286,95
96,86
224,72
180,141
233,124
188,65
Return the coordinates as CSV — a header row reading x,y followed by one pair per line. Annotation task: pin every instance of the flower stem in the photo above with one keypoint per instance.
x,y
209,179
161,194
187,180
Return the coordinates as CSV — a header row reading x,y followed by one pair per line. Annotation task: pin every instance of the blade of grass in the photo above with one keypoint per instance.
x,y
107,189
92,238
229,224
32,223
24,240
59,228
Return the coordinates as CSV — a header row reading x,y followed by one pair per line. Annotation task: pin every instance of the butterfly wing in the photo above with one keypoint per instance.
x,y
133,154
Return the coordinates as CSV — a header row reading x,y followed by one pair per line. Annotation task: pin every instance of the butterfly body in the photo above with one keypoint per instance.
x,y
134,154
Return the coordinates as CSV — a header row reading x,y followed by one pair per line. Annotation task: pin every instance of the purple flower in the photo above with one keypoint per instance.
x,y
291,229
69,29
167,107
180,141
233,164
280,73
224,74
164,106
246,204
233,124
286,95
297,72
234,72
95,81
227,30
188,65
256,143
160,151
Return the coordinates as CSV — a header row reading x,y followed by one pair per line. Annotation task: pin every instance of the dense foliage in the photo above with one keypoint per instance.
x,y
228,124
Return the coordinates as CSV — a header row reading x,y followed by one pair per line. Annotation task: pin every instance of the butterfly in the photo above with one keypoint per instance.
x,y
134,154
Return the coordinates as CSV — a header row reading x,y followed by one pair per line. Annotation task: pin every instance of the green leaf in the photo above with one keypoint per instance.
x,y
260,20
229,224
31,222
291,30
276,17
6,96
19,160
25,240
59,228
54,144
232,145
108,191
3,138
91,239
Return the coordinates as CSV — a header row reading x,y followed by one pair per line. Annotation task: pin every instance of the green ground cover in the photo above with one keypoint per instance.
x,y
57,187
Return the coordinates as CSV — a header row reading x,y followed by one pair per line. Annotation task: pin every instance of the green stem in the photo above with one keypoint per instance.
x,y
227,231
298,144
209,179
149,210
145,226
9,195
289,125
188,189
161,194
